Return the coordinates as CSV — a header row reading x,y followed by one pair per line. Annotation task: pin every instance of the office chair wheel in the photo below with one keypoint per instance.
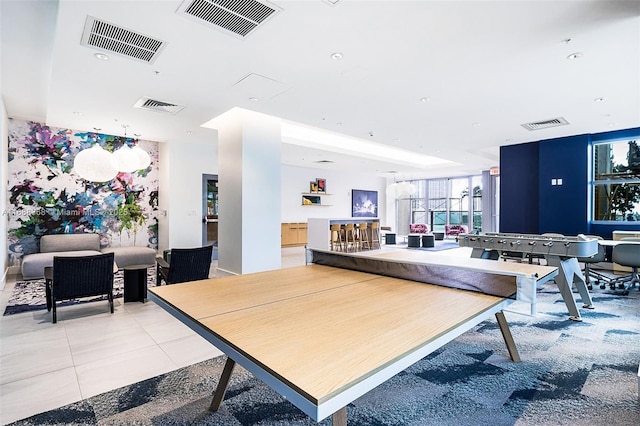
x,y
602,286
590,287
620,286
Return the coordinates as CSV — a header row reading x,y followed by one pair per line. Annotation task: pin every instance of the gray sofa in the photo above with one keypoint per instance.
x,y
80,245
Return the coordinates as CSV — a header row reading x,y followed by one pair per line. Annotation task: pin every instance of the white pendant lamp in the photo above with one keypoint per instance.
x,y
94,164
124,160
142,157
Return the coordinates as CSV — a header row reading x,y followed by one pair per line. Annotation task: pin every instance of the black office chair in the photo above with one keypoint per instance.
x,y
589,273
185,264
627,254
80,276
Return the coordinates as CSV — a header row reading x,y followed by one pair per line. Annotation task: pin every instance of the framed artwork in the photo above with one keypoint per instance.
x,y
310,200
313,186
322,185
364,203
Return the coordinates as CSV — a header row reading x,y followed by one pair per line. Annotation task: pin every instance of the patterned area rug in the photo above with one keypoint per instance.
x,y
572,373
30,295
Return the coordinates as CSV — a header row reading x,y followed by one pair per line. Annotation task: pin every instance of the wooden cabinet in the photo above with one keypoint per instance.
x,y
293,234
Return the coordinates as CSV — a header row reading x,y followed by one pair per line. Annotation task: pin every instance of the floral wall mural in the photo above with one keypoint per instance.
x,y
47,197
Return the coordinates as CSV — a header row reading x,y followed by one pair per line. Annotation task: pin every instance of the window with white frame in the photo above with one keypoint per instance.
x,y
616,181
440,202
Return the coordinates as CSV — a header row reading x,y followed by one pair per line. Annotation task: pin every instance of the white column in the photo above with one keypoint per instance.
x,y
249,146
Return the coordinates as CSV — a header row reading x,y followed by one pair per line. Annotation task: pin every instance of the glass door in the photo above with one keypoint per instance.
x,y
210,212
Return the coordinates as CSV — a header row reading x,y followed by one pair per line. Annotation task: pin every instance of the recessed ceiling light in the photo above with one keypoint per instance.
x,y
337,56
613,124
101,56
339,123
77,113
598,100
575,55
425,99
189,132
475,124
253,99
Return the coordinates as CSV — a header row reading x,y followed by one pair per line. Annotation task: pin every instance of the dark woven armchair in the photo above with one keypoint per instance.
x,y
80,276
185,264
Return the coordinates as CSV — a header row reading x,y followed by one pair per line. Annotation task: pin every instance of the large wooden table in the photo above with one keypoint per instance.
x,y
323,336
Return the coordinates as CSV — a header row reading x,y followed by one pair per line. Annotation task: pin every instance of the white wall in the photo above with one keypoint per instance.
x,y
181,169
180,193
295,181
4,138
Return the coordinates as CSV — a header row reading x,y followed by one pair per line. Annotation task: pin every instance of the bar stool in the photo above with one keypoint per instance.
x,y
337,244
350,237
363,234
375,234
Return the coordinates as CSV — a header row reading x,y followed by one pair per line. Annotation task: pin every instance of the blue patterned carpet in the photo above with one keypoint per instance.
x,y
572,373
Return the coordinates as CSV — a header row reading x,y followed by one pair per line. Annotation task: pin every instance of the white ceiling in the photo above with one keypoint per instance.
x,y
485,68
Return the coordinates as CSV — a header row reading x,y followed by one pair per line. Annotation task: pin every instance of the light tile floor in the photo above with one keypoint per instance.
x,y
90,351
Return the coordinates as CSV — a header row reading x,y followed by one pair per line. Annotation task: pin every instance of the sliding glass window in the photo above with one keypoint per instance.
x,y
440,202
616,181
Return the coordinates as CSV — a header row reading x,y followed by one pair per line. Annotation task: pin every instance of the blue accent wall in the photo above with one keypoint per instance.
x,y
563,208
530,204
519,188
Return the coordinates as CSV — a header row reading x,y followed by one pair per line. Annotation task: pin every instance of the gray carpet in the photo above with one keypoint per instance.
x,y
571,374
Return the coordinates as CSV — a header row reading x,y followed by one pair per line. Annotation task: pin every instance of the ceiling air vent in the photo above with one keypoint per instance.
x,y
238,17
158,106
324,162
545,124
114,39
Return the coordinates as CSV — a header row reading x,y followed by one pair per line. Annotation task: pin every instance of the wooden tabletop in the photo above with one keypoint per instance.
x,y
321,329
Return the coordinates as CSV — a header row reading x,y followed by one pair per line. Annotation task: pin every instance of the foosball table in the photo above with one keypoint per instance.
x,y
559,251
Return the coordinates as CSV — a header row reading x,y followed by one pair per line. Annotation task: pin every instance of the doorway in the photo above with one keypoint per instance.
x,y
210,213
